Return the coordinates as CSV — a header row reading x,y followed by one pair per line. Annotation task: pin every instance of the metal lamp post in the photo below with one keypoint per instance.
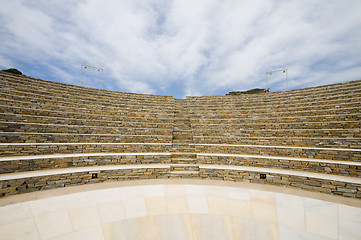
x,y
92,68
280,70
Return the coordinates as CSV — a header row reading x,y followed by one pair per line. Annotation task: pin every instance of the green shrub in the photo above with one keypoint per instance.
x,y
12,70
252,91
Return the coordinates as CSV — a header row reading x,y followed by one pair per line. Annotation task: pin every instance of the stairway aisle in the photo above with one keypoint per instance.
x,y
184,159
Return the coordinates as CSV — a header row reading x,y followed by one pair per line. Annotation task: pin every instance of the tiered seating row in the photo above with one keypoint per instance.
x,y
281,141
61,89
36,149
81,129
42,162
6,112
341,154
71,109
56,135
333,89
126,122
44,99
24,137
227,104
23,182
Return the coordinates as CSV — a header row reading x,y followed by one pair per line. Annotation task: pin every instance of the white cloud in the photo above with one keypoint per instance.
x,y
204,47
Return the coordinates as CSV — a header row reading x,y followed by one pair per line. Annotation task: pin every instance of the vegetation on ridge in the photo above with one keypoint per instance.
x,y
251,91
12,70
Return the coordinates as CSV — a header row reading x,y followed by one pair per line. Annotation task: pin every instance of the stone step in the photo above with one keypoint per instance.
x,y
181,149
183,167
184,174
338,142
184,160
28,137
184,155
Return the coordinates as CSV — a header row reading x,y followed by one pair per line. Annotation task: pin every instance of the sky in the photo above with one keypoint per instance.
x,y
183,47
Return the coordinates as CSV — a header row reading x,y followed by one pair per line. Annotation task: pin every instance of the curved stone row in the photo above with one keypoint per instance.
x,y
23,182
56,135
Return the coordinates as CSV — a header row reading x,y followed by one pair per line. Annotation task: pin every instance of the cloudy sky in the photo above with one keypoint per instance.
x,y
183,47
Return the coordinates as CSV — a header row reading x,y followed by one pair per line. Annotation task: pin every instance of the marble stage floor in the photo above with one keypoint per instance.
x,y
178,209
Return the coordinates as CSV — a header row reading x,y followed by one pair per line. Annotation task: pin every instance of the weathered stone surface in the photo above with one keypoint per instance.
x,y
315,123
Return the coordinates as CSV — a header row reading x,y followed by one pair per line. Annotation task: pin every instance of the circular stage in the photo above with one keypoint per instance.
x,y
179,209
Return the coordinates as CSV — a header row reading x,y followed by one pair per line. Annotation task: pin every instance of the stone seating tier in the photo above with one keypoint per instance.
x,y
352,103
26,149
283,103
273,105
54,161
281,141
31,115
277,125
56,135
37,98
353,111
128,122
198,124
203,130
280,119
194,106
61,89
80,129
317,133
300,113
352,87
341,154
9,110
70,109
31,181
52,85
275,99
345,108
326,89
25,137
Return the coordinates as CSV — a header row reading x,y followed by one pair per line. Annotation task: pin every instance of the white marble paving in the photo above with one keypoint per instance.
x,y
197,204
53,224
23,229
178,211
134,207
84,217
15,212
93,233
316,212
53,204
294,219
111,211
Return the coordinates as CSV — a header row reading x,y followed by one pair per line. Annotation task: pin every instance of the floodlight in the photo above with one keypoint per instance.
x,y
283,71
92,68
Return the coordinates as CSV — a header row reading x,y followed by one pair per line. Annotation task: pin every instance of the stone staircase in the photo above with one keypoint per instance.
x,y
184,159
182,130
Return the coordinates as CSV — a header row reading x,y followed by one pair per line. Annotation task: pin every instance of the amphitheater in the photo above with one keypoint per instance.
x,y
82,163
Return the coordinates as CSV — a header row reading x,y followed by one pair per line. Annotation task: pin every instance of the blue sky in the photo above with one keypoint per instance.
x,y
183,47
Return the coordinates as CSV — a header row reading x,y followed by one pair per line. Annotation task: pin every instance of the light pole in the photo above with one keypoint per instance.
x,y
92,68
280,70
